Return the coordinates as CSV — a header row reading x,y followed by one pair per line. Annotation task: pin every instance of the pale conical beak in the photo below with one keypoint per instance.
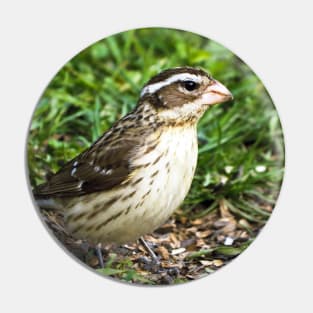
x,y
216,93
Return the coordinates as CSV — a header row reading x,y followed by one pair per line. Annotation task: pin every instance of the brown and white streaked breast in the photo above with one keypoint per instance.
x,y
159,183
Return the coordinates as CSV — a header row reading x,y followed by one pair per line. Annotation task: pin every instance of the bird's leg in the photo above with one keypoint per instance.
x,y
150,251
99,254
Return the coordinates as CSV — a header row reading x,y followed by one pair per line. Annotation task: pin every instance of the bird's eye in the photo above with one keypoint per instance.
x,y
190,85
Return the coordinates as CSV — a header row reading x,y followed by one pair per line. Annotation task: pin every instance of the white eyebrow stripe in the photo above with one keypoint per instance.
x,y
178,77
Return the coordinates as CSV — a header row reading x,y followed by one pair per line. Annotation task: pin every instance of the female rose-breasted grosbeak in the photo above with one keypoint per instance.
x,y
138,172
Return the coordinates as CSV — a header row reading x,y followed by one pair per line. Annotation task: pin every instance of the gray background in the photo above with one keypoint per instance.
x,y
274,38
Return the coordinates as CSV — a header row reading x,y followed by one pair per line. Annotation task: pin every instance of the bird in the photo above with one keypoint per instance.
x,y
131,180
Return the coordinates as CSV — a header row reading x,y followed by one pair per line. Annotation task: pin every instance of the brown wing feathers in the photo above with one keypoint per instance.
x,y
101,167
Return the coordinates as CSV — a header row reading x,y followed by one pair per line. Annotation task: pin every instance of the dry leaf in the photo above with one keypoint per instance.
x,y
132,248
221,222
244,223
174,240
163,251
183,220
151,239
203,234
244,235
217,262
197,221
224,209
178,251
231,226
206,262
200,243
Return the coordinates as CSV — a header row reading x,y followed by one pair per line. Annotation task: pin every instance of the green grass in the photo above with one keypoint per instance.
x,y
241,152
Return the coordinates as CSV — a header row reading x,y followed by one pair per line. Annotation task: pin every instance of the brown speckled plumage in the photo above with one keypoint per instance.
x,y
138,172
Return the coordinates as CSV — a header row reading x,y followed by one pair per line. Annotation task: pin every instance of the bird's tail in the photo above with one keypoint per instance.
x,y
49,204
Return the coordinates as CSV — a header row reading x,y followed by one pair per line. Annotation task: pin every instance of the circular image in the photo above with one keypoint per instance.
x,y
155,156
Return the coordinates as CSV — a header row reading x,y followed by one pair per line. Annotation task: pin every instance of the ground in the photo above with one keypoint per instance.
x,y
187,248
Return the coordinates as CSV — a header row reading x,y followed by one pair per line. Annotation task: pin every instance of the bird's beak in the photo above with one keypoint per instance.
x,y
216,93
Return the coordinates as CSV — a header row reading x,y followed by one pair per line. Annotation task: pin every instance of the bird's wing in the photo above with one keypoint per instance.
x,y
102,167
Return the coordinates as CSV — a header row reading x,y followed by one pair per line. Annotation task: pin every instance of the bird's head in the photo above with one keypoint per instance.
x,y
183,94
